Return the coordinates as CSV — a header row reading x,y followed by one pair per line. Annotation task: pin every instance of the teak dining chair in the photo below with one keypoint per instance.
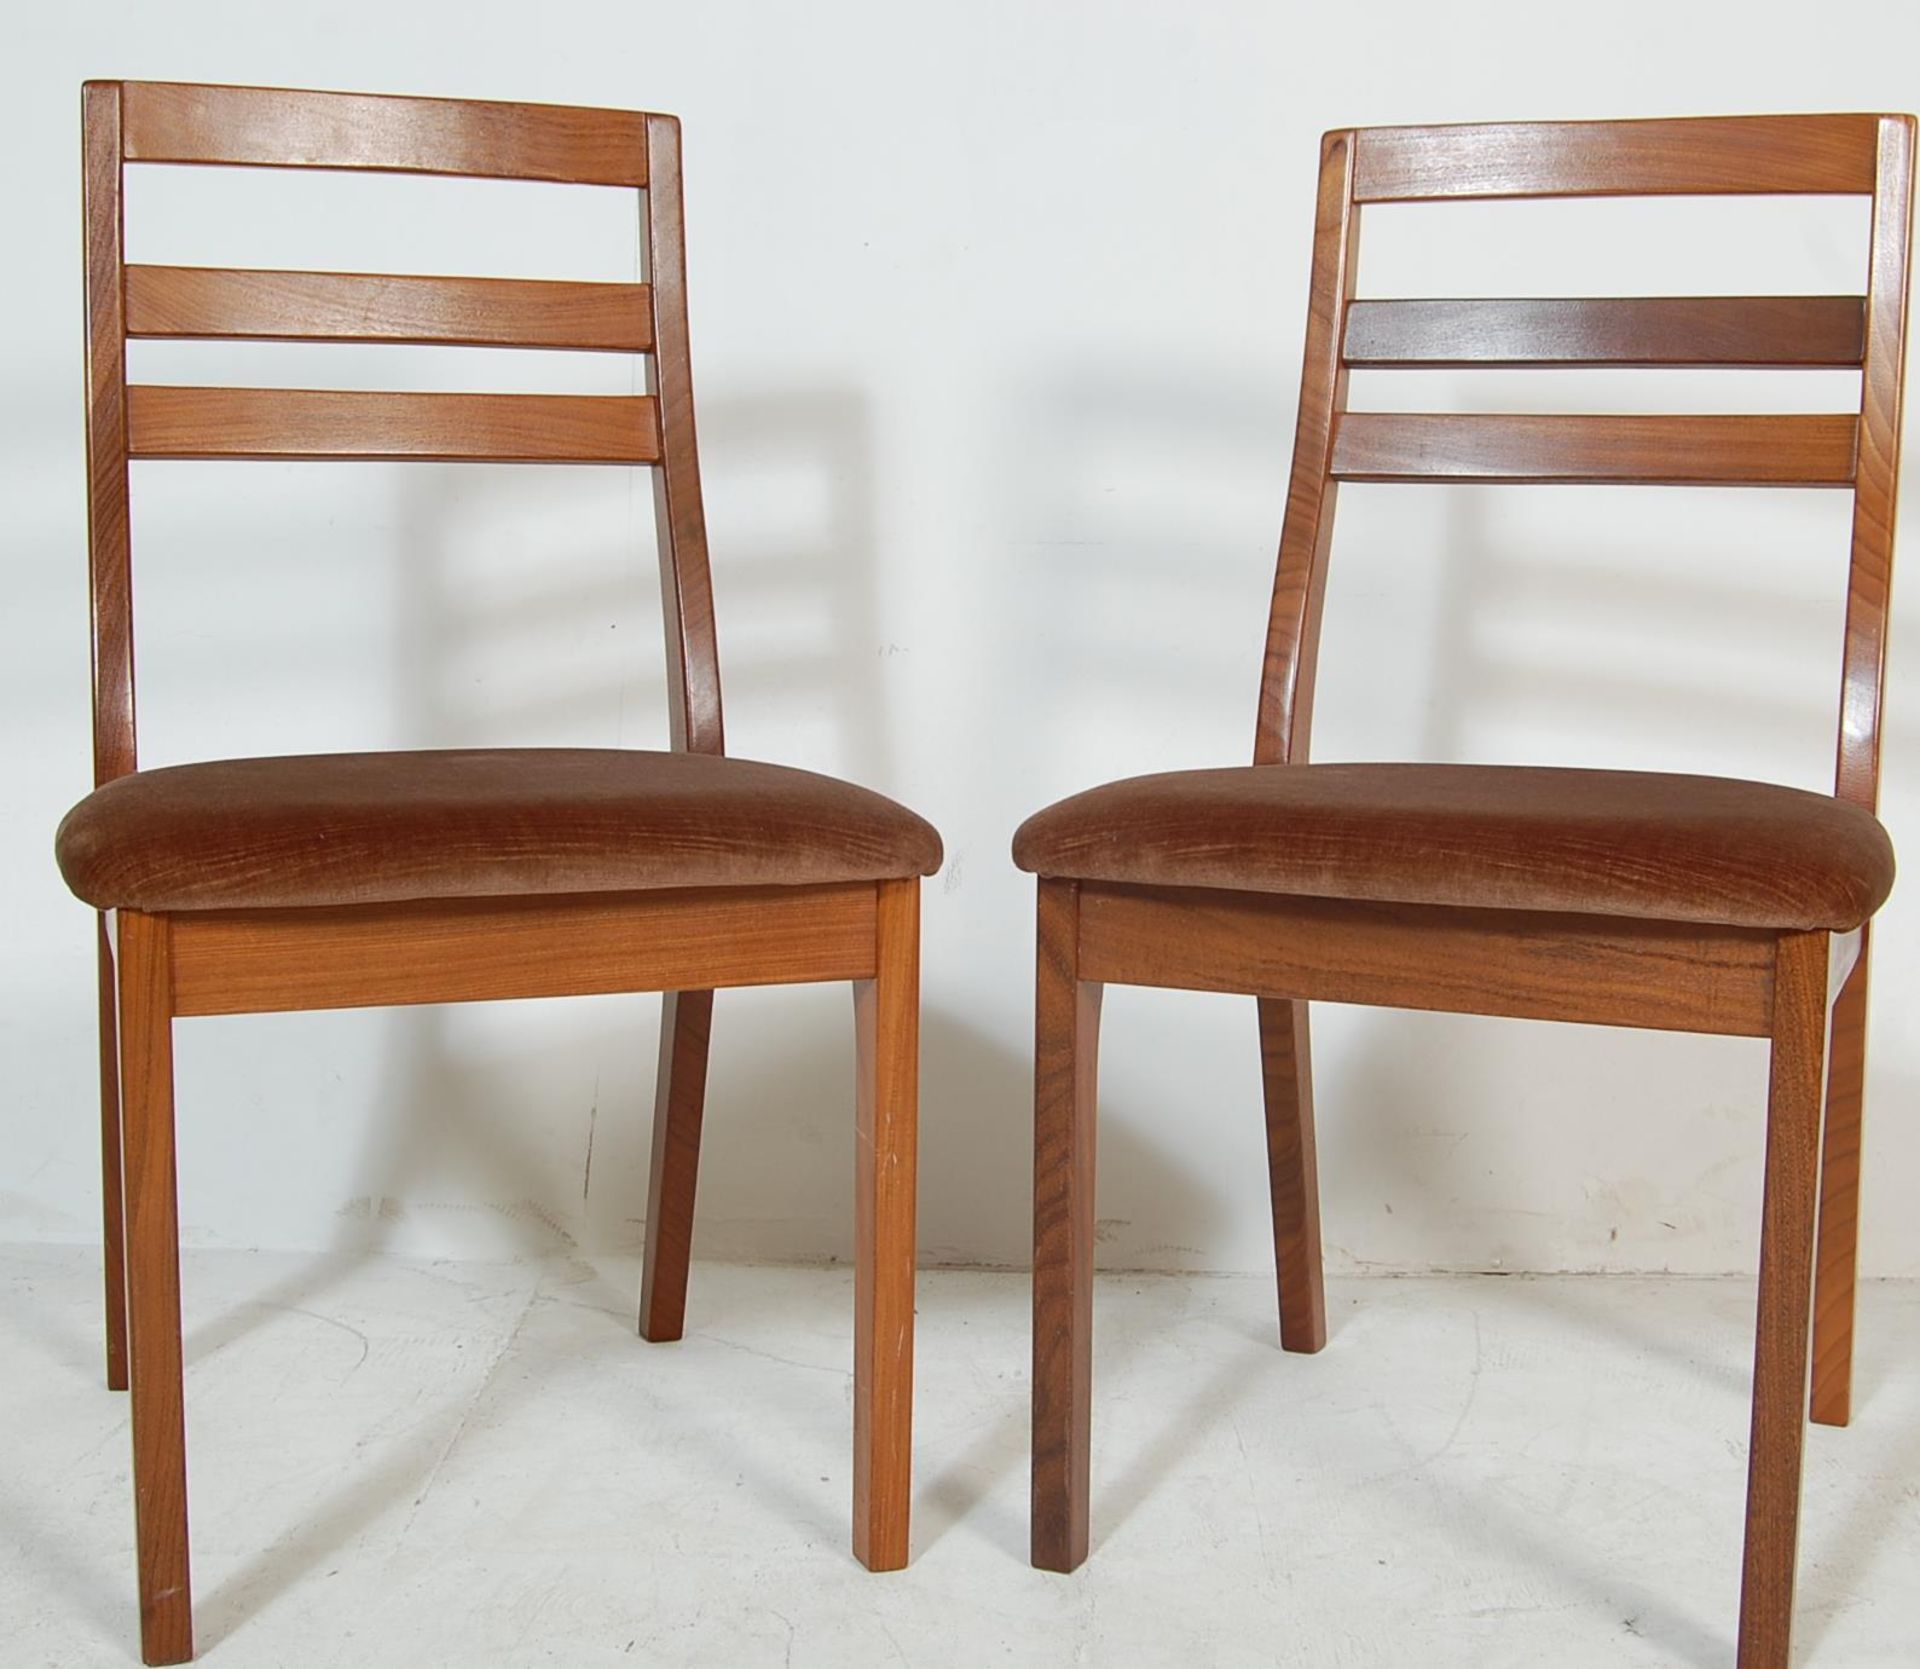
x,y
1621,898
348,880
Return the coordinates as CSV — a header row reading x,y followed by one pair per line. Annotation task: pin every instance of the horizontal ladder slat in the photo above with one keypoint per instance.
x,y
229,303
168,422
1635,331
1813,451
1701,156
260,127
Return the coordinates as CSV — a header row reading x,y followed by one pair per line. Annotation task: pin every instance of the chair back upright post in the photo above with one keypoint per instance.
x,y
1877,466
1754,155
686,584
1285,724
110,575
158,123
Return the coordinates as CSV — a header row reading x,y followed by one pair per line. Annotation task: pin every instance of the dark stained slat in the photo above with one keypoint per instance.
x,y
1669,330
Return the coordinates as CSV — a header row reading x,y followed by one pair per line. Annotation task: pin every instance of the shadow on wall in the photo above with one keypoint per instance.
x,y
1406,1121
1140,513
471,1099
548,1136
1149,512
1143,564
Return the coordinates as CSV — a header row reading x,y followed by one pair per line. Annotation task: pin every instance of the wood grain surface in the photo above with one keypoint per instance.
x,y
1609,330
225,303
1699,156
280,128
170,422
887,1030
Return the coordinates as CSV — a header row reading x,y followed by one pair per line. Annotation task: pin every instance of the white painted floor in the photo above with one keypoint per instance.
x,y
424,1464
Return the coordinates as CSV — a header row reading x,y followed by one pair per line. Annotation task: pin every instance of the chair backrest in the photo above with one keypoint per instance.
x,y
143,123
1870,156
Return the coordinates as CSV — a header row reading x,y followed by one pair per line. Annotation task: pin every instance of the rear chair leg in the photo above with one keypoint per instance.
x,y
1833,1290
1293,1173
153,1288
679,1102
887,1028
113,1209
1066,1048
1786,1294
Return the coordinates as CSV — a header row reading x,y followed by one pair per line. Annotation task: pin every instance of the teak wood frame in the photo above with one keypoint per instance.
x,y
155,968
1803,991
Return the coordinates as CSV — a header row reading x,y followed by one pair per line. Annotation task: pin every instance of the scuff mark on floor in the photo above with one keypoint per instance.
x,y
593,1121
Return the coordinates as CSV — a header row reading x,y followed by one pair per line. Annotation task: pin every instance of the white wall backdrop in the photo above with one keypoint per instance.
x,y
996,317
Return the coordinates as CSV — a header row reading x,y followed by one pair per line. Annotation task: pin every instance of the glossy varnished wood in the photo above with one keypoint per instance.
x,y
109,553
225,303
1598,969
1608,330
1795,1081
1882,385
1306,535
693,654
110,586
153,1288
1690,451
1830,1401
277,128
113,1236
485,949
338,954
679,1107
696,725
1066,1050
173,422
1857,765
887,1028
1281,735
1711,156
1767,980
1293,1172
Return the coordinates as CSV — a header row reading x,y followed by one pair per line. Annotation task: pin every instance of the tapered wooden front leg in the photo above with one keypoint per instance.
x,y
1795,1082
1066,1046
153,1288
1293,1174
1836,1257
679,1103
112,1206
887,1024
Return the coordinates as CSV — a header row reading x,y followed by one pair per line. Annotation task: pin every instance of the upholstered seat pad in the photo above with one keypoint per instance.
x,y
352,828
1622,843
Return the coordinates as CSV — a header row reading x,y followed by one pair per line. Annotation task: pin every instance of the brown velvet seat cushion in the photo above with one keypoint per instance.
x,y
1622,843
359,828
